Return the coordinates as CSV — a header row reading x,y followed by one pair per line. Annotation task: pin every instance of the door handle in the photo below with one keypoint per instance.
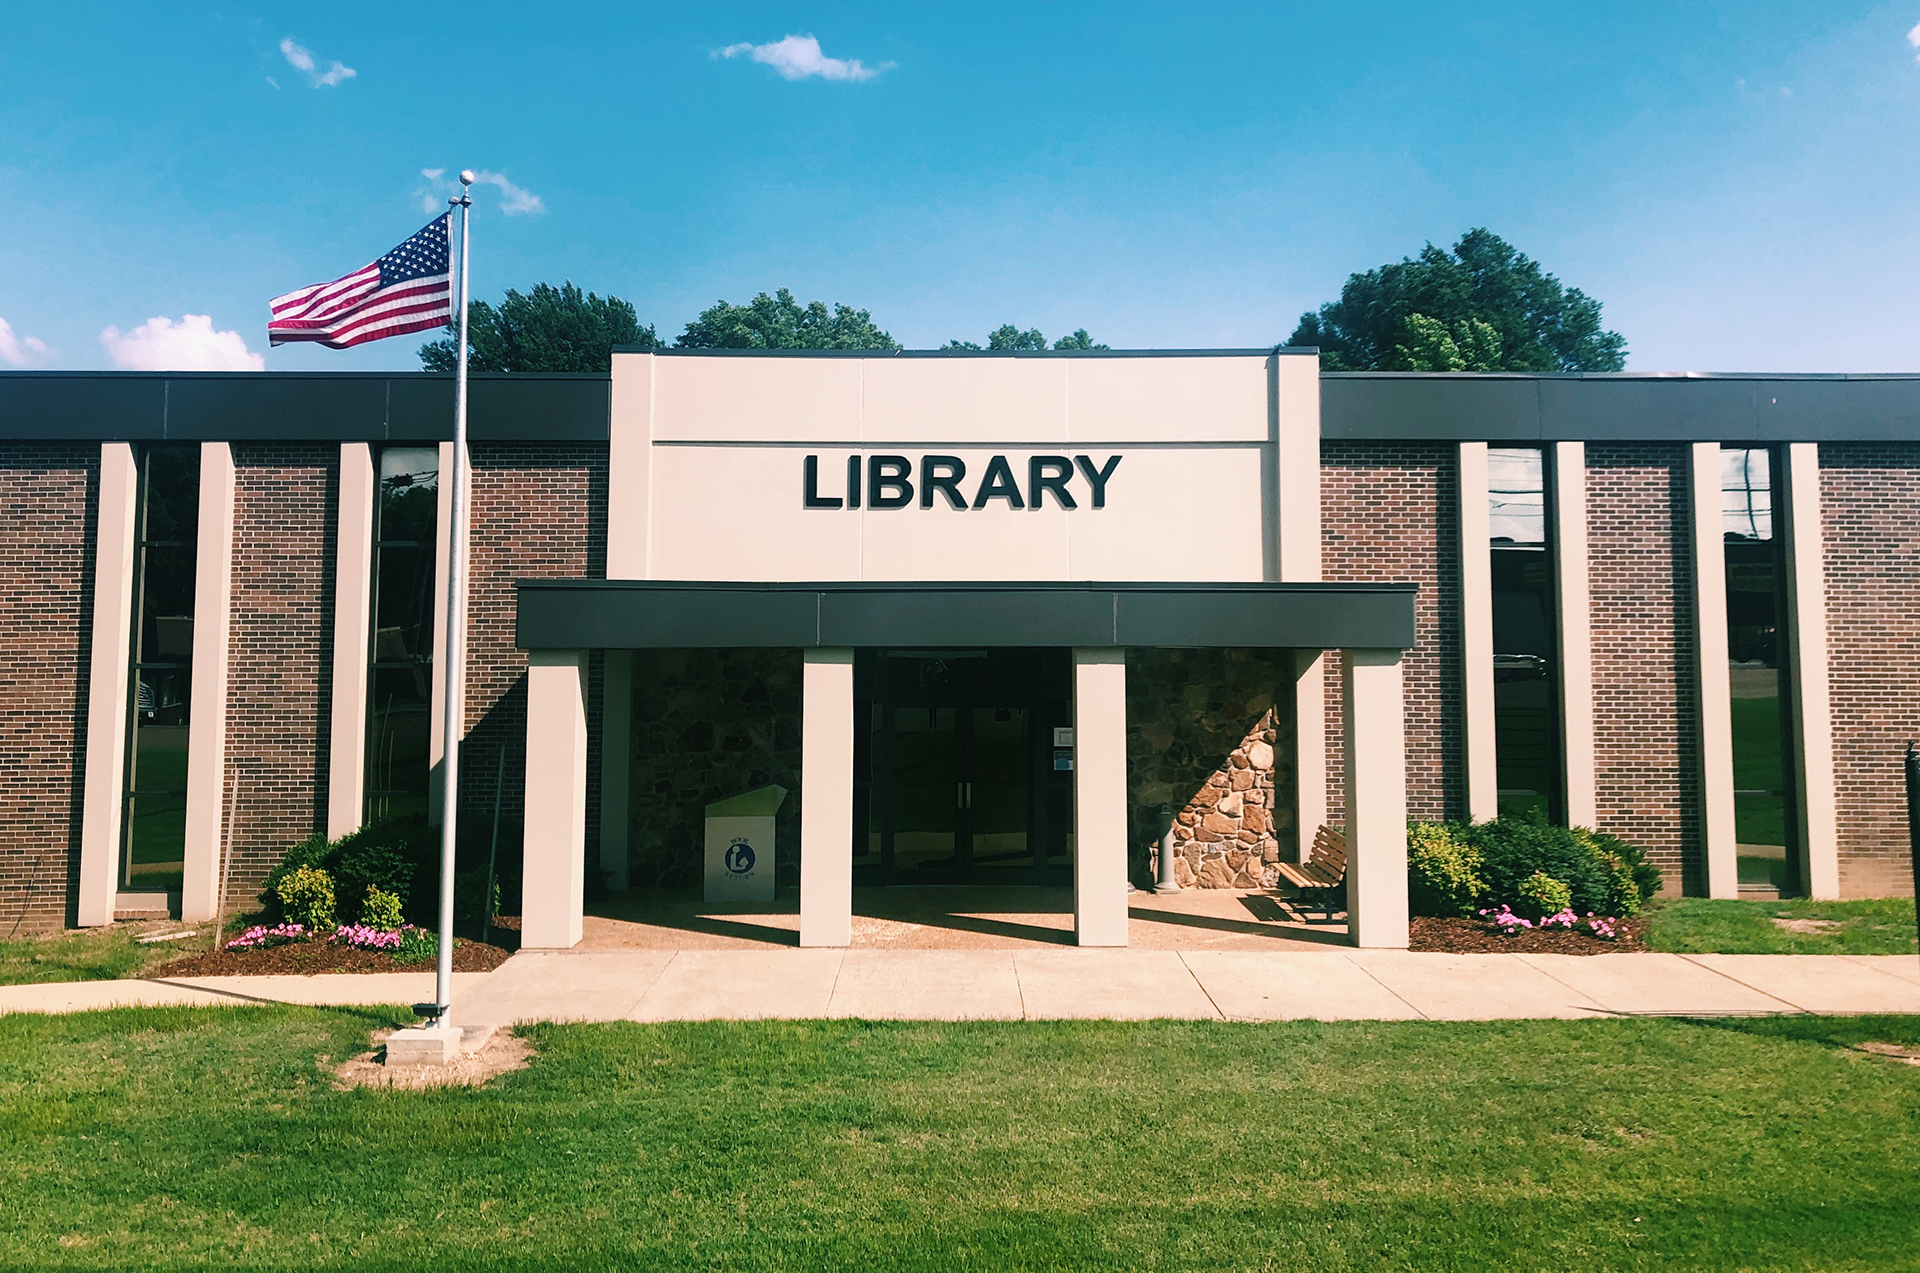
x,y
959,795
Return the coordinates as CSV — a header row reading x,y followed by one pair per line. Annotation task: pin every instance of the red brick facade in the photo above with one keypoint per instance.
x,y
1870,505
1646,698
1389,513
280,651
48,502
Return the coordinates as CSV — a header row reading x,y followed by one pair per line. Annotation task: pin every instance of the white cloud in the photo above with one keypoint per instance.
x,y
20,351
301,59
160,344
515,201
798,57
1913,40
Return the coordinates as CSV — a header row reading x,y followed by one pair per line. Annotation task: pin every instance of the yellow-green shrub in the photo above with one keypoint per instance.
x,y
306,896
1443,870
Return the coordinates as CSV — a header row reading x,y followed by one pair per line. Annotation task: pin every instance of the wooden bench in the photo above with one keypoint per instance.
x,y
1322,878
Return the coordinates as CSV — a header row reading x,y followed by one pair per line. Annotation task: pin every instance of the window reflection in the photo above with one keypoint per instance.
x,y
166,532
1762,776
1525,718
400,687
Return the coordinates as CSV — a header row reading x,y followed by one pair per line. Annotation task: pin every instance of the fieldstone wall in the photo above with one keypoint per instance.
x,y
1210,734
708,724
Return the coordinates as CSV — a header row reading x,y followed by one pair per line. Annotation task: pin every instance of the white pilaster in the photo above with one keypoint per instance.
x,y
1310,752
553,883
1573,612
352,624
206,832
629,466
1819,845
826,798
1710,651
1100,797
616,743
1476,633
437,716
1297,444
104,799
1374,719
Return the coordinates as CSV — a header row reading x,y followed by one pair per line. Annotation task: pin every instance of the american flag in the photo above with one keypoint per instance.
x,y
408,290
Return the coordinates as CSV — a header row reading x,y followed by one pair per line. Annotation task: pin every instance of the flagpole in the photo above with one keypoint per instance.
x,y
456,669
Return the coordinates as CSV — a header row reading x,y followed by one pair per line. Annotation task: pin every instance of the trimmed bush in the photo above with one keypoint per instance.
x,y
1635,880
306,895
1540,895
363,868
1443,870
1512,851
381,910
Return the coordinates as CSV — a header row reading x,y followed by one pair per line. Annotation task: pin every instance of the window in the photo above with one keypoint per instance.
x,y
400,683
166,532
1525,715
1756,625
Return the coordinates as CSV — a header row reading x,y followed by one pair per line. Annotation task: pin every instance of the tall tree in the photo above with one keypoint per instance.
x,y
1007,336
1481,307
780,322
546,329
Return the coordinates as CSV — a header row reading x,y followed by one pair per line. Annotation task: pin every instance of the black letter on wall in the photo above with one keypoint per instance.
x,y
853,481
999,484
1098,477
942,473
1049,473
812,497
887,484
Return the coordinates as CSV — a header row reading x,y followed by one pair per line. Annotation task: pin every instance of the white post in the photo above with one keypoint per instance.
x,y
1296,411
437,730
456,668
352,628
104,802
1476,633
1376,765
1710,654
553,878
1573,606
1100,797
1819,845
826,798
200,898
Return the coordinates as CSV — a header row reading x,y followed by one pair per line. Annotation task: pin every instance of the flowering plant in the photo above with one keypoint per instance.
x,y
363,937
259,938
1603,927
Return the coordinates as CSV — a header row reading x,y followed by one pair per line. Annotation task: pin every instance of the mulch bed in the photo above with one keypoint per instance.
x,y
1473,937
313,957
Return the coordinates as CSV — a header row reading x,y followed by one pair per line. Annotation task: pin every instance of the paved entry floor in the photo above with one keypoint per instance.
x,y
920,917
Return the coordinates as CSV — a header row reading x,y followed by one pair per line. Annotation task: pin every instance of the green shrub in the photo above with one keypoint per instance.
x,y
314,851
362,868
1540,895
1443,870
1512,850
306,897
1634,879
417,946
381,909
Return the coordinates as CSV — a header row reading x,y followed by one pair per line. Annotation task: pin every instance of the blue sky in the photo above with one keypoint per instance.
x,y
1738,183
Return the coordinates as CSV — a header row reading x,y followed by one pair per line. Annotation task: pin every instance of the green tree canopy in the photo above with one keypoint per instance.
x,y
780,322
1481,307
1007,336
546,329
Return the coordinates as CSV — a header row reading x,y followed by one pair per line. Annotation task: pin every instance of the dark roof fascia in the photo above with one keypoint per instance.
x,y
1267,352
1619,407
299,406
661,614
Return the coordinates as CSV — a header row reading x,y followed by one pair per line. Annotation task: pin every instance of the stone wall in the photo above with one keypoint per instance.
x,y
709,724
1210,734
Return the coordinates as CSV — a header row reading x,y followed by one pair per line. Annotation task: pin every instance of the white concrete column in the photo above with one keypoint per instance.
x,y
1100,797
1376,762
616,756
104,800
1476,633
630,467
437,722
352,625
206,831
553,882
826,798
1710,665
1310,751
1806,591
1574,619
1296,427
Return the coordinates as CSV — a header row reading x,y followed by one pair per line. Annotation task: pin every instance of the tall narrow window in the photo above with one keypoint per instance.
x,y
1763,813
166,530
1525,719
400,688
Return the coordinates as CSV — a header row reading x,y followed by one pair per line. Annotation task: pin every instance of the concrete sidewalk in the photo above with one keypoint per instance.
x,y
1059,983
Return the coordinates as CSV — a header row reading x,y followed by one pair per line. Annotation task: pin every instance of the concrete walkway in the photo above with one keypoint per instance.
x,y
1042,984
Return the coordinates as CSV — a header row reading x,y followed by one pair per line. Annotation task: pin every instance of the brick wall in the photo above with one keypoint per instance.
x,y
48,502
1645,689
1389,514
1870,503
280,651
539,511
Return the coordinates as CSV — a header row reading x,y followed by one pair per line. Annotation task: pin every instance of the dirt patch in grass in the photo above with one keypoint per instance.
x,y
1472,937
318,956
501,1054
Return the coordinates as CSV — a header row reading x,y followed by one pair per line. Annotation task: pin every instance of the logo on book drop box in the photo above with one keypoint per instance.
x,y
740,858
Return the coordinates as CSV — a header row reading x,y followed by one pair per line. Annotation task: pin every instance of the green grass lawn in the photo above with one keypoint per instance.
x,y
95,954
1700,926
192,1137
